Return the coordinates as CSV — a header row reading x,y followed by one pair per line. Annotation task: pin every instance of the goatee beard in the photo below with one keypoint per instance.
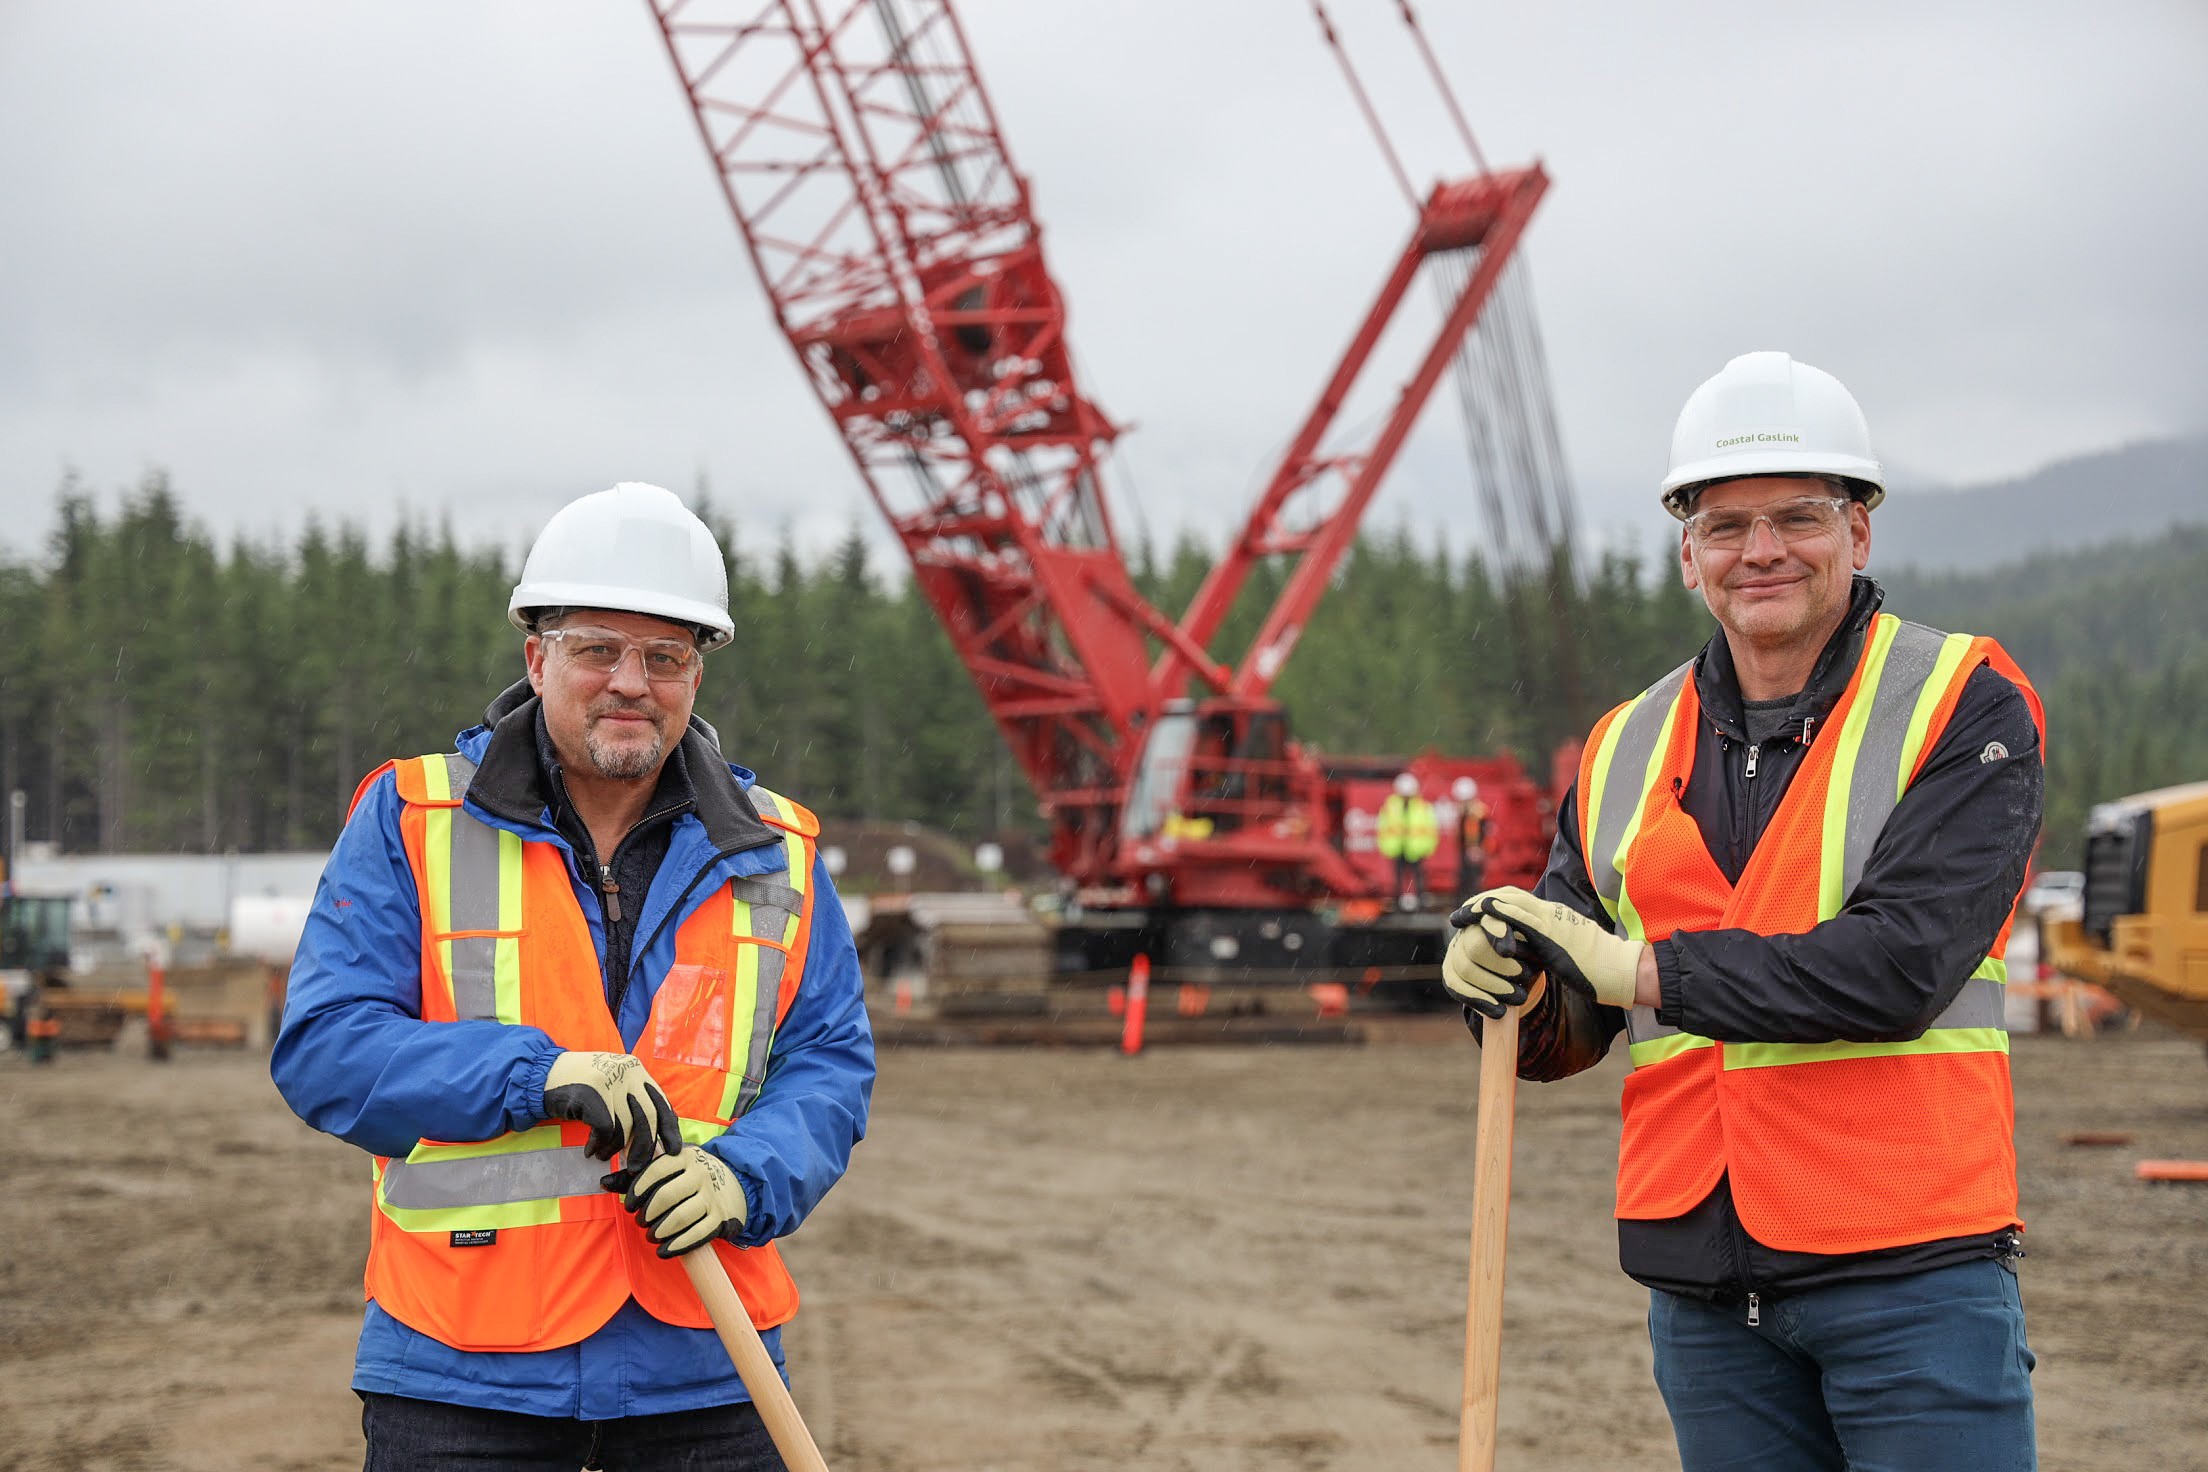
x,y
624,763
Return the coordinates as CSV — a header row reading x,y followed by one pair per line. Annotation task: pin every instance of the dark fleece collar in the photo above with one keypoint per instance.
x,y
510,782
1717,682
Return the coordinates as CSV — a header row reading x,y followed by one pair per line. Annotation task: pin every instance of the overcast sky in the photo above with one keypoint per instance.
x,y
359,258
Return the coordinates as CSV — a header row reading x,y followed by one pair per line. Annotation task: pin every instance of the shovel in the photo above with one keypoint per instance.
x,y
732,1322
1483,1322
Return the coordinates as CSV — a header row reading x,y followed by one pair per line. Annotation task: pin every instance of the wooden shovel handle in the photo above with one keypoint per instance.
x,y
1483,1321
732,1321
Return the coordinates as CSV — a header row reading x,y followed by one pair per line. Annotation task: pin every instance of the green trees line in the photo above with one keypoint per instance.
x,y
161,692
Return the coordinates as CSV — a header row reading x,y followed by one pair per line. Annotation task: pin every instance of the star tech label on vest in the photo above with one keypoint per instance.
x,y
478,1238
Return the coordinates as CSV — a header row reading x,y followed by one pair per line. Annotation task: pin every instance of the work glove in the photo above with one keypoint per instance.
x,y
1566,944
1476,973
683,1200
612,1094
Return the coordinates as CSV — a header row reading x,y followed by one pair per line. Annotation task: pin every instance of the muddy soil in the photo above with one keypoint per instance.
x,y
1204,1259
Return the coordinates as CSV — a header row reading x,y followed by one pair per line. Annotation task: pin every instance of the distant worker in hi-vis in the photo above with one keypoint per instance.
x,y
1407,834
583,933
1787,873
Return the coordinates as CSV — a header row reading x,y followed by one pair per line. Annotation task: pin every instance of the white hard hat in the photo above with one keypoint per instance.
x,y
1766,414
1407,784
1465,789
633,549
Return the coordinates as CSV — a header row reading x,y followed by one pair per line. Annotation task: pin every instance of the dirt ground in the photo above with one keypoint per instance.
x,y
1204,1259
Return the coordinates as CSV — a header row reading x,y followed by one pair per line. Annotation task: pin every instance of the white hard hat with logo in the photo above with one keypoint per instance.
x,y
1765,414
632,549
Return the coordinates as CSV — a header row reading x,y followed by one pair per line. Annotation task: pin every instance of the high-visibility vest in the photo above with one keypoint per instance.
x,y
1406,829
1831,1146
510,1243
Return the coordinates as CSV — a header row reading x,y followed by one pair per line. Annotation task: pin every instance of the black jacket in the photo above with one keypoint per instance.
x,y
1940,882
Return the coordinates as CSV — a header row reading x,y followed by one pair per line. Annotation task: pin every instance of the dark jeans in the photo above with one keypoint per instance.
x,y
428,1436
1925,1371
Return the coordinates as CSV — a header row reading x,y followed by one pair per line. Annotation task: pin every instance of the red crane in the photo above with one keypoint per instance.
x,y
865,167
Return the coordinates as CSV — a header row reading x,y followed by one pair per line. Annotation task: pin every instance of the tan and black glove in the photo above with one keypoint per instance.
x,y
683,1200
1566,945
1474,971
612,1094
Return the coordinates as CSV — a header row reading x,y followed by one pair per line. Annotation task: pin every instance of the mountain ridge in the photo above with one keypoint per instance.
x,y
2131,492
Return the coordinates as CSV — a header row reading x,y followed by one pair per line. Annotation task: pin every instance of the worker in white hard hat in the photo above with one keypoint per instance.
x,y
1471,834
612,966
1786,874
1407,832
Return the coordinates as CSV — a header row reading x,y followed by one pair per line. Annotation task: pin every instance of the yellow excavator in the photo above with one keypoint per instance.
x,y
2144,931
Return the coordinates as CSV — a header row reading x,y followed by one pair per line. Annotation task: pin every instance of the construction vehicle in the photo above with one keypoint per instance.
x,y
897,245
2143,934
34,956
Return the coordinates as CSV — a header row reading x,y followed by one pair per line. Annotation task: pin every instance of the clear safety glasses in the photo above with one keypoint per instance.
x,y
1726,528
601,651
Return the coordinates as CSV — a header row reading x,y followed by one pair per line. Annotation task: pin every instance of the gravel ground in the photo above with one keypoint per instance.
x,y
1207,1259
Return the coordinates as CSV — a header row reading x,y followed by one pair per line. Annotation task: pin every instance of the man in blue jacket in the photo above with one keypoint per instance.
x,y
583,932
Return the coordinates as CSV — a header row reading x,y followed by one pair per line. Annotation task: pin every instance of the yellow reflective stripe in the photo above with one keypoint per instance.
x,y
1938,1040
1629,919
1605,753
1920,720
437,858
698,1131
1993,968
743,1012
506,962
473,1218
1832,858
541,1137
1671,1045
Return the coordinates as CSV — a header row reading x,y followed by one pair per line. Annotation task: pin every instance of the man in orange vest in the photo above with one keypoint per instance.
x,y
1786,874
582,935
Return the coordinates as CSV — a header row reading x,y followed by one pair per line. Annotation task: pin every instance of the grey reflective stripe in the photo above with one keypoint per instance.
x,y
1874,785
768,922
1628,772
757,892
1981,1003
473,875
493,1180
1641,1026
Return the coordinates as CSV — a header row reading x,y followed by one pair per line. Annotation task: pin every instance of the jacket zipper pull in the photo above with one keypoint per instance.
x,y
1809,723
1752,751
1755,1310
612,892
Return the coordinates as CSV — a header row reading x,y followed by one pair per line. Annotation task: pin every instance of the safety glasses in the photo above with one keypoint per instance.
x,y
601,651
1725,528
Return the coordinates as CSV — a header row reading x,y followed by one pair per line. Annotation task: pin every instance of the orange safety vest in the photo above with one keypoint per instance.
x,y
510,1243
1835,1146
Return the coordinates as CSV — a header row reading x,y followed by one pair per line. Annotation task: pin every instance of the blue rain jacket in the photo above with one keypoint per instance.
x,y
354,1058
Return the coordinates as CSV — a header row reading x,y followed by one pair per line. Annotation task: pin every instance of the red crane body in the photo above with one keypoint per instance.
x,y
864,165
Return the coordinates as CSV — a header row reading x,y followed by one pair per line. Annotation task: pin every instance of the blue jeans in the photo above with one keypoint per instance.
x,y
1919,1372
407,1435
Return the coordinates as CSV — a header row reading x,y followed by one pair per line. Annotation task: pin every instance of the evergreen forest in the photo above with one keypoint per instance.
x,y
161,692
